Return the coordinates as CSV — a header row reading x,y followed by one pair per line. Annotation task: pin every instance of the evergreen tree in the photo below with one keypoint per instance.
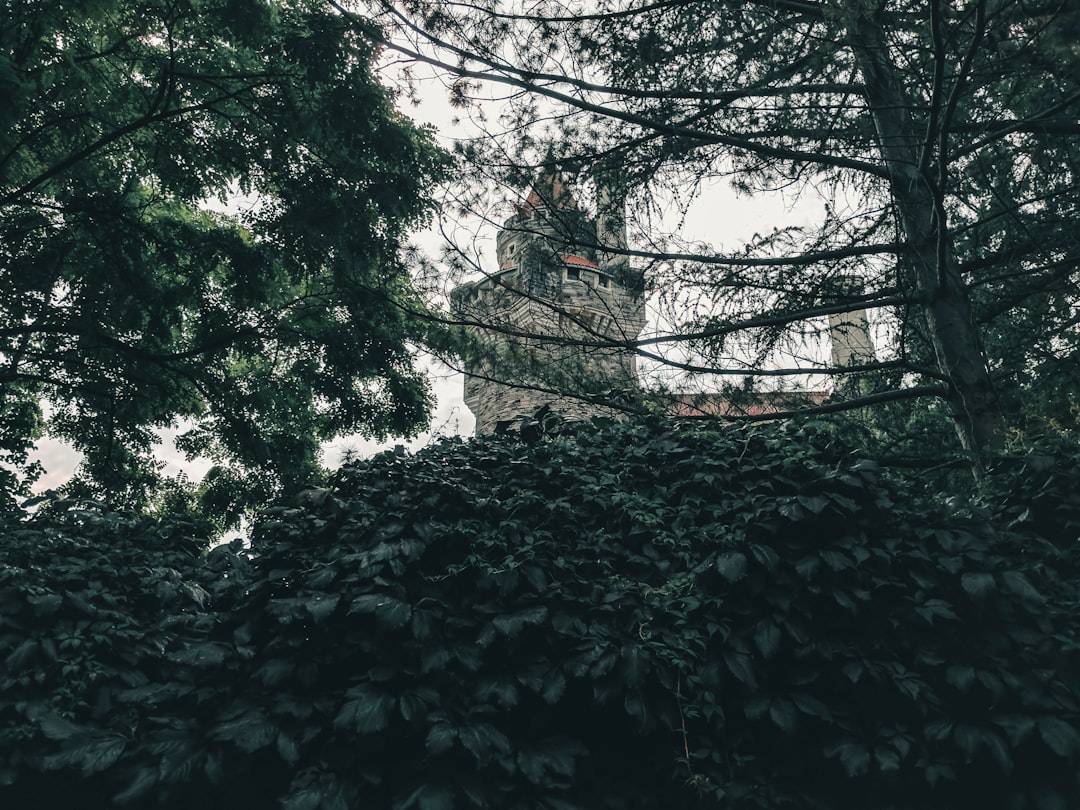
x,y
941,136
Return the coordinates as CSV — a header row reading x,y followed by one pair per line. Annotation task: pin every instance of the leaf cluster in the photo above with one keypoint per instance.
x,y
617,615
130,304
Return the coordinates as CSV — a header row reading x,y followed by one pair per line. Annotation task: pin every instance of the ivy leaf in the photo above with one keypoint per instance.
x,y
782,713
510,626
836,560
249,732
555,756
1016,726
483,740
437,796
206,654
767,638
146,779
23,656
960,677
854,757
554,686
440,738
740,666
1060,736
815,503
808,566
56,727
366,712
887,758
977,585
731,565
765,555
389,612
635,663
288,749
812,706
1019,584
321,606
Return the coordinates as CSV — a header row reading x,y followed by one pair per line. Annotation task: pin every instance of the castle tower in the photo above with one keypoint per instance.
x,y
554,313
850,331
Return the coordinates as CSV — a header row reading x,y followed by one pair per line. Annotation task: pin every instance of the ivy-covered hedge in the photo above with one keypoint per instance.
x,y
636,615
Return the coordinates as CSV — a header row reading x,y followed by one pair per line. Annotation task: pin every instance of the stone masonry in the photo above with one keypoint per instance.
x,y
554,324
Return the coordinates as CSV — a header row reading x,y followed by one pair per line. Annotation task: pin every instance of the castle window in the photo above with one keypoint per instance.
x,y
603,280
511,248
573,274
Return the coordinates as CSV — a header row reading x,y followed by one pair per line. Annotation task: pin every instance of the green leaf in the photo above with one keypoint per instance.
x,y
935,609
513,624
765,555
731,565
836,560
287,749
206,654
367,712
320,606
740,665
391,613
483,740
635,663
807,567
767,638
978,585
1060,736
969,739
812,706
782,713
1016,726
887,758
91,753
815,503
960,677
440,738
1017,583
556,756
854,757
23,656
437,796
554,685
145,780
57,728
249,732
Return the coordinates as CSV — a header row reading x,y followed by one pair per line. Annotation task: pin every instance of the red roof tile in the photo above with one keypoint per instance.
x,y
578,261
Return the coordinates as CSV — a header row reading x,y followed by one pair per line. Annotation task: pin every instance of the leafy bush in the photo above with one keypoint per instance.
x,y
614,616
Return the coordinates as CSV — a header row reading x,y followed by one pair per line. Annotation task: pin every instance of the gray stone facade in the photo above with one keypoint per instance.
x,y
553,326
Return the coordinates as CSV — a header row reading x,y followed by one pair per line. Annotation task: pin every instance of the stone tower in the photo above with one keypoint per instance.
x,y
556,318
850,331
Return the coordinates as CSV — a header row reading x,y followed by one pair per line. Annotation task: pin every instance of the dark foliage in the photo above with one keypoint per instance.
x,y
623,616
128,305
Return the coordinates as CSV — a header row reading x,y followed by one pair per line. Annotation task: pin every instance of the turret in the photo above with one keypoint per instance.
x,y
559,313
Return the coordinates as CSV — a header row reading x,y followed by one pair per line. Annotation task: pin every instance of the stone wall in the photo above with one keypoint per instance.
x,y
556,325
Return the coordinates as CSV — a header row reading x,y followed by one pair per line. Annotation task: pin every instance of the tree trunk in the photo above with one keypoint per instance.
x,y
935,277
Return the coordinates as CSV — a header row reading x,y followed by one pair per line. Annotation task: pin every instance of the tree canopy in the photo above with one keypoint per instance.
x,y
129,302
940,139
608,616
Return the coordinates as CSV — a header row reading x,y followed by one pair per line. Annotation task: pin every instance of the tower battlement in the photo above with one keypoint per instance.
x,y
559,316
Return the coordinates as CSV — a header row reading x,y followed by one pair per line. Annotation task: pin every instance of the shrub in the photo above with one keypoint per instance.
x,y
607,616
